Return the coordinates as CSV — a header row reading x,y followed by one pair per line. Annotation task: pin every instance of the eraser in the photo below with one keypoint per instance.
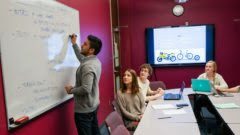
x,y
11,120
21,120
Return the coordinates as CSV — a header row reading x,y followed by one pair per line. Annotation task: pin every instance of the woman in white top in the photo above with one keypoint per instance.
x,y
202,101
212,75
143,82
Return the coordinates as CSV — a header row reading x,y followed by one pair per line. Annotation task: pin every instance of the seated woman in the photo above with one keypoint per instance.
x,y
231,90
143,82
218,82
212,75
130,100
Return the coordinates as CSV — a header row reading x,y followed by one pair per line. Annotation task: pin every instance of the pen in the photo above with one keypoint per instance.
x,y
164,117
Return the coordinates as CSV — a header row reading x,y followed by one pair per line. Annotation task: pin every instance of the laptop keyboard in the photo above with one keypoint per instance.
x,y
170,95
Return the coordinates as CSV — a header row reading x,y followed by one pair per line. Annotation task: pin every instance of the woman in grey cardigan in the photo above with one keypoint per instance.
x,y
130,100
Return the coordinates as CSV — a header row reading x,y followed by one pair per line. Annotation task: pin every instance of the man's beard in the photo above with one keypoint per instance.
x,y
84,53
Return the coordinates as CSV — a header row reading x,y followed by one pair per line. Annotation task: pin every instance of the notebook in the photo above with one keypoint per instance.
x,y
171,96
201,85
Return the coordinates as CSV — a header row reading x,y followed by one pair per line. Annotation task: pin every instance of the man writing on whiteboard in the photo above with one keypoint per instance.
x,y
86,89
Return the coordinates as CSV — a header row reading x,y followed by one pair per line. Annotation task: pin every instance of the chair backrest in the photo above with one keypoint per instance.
x,y
120,130
154,85
113,120
116,107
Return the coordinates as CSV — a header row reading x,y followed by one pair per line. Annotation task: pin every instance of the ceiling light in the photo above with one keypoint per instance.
x,y
180,1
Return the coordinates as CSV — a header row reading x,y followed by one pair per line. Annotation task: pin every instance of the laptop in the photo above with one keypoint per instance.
x,y
201,85
219,93
171,96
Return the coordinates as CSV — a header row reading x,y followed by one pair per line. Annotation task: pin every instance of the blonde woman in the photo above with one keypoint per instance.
x,y
212,75
218,82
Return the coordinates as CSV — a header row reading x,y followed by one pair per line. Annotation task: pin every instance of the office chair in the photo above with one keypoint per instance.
x,y
154,85
113,120
120,130
116,107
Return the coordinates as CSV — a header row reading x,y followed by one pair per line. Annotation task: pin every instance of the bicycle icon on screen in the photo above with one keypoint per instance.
x,y
166,56
188,56
180,56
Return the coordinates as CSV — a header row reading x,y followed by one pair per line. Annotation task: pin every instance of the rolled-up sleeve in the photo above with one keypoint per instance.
x,y
222,82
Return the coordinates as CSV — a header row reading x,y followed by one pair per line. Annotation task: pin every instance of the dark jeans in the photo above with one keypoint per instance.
x,y
87,123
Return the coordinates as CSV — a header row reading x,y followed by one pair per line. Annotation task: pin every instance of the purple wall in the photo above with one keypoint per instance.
x,y
140,14
94,19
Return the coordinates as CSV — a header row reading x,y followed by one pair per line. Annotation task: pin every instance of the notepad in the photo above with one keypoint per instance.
x,y
174,112
163,106
227,106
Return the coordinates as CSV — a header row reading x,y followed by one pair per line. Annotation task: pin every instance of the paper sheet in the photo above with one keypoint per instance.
x,y
174,112
226,106
164,106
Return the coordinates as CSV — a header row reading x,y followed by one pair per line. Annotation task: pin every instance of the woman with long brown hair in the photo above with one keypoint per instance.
x,y
130,100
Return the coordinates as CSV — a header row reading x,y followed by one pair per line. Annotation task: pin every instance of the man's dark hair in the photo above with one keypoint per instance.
x,y
95,43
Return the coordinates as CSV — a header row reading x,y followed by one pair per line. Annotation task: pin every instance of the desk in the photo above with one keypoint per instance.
x,y
167,129
178,124
185,123
229,115
235,128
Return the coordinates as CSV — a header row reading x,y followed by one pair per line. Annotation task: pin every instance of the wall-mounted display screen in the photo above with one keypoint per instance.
x,y
180,46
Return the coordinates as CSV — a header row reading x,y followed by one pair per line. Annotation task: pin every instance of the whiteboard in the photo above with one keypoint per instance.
x,y
37,57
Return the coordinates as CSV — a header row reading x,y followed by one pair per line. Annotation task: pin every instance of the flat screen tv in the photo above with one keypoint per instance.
x,y
180,45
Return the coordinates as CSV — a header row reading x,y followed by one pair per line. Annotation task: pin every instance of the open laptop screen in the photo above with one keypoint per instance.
x,y
182,87
171,96
201,85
